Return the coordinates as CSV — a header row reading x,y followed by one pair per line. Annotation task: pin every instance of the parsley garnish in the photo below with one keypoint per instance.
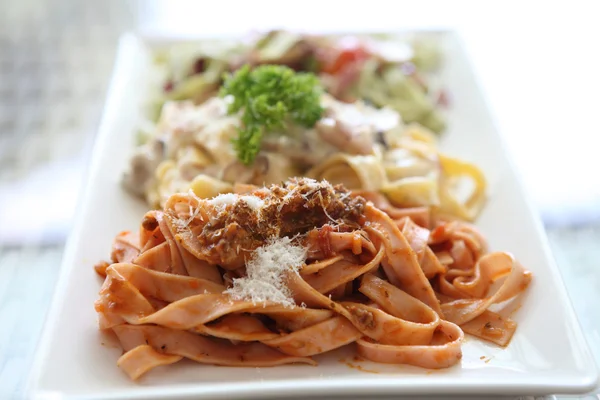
x,y
269,96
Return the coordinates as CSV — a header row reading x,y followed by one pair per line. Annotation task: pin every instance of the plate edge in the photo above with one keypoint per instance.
x,y
123,60
557,276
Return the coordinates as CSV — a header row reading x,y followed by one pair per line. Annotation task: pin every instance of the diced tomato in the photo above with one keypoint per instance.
x,y
343,58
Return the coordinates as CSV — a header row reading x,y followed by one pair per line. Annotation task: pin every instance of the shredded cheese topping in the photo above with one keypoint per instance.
x,y
224,199
255,203
266,272
230,199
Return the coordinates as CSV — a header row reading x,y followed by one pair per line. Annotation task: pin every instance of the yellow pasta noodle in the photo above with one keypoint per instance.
x,y
354,144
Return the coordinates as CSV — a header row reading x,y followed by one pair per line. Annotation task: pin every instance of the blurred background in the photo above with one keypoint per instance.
x,y
537,63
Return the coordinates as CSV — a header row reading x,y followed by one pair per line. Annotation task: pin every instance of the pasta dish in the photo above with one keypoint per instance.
x,y
299,203
275,275
354,142
356,145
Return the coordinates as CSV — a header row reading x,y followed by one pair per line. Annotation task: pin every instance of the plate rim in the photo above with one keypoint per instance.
x,y
124,58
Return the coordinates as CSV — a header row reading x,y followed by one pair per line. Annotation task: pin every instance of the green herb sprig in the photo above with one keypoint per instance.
x,y
269,96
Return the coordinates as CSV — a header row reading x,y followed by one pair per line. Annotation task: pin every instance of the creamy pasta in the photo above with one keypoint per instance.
x,y
353,143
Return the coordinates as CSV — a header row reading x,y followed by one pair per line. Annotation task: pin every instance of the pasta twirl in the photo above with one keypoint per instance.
x,y
335,268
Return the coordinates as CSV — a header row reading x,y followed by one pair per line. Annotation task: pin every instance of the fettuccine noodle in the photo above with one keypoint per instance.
x,y
401,284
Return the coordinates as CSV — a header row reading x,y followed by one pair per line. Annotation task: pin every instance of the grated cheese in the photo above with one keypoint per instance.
x,y
255,203
227,199
314,184
266,271
224,199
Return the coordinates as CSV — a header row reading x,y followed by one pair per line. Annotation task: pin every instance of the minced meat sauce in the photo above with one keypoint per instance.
x,y
293,208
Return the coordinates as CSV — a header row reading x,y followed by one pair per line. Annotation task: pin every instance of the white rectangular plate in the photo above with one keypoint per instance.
x,y
547,354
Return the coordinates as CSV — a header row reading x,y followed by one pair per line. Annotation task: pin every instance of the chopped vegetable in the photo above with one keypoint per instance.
x,y
346,56
390,86
199,81
427,55
277,46
269,96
